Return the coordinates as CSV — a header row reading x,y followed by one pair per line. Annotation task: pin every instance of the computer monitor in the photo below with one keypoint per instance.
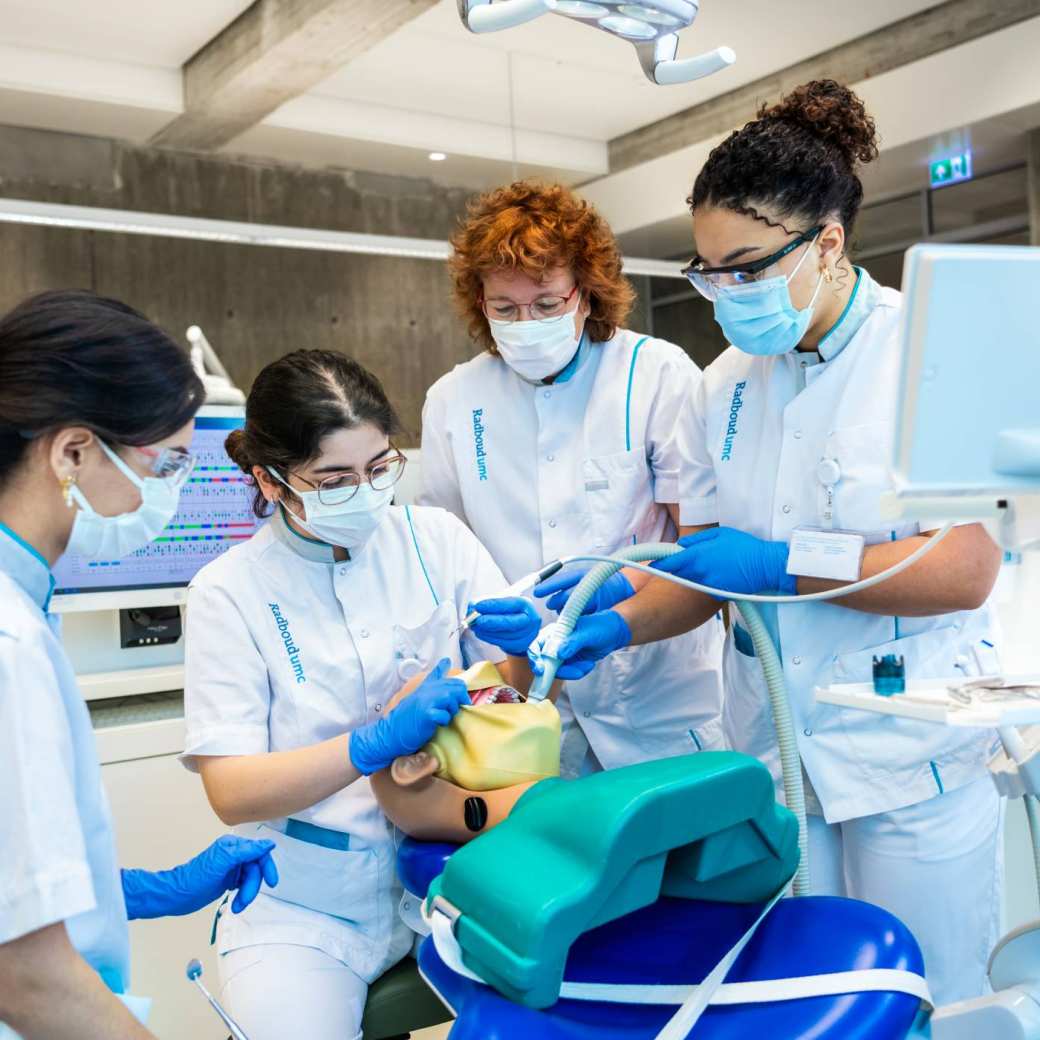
x,y
969,418
214,514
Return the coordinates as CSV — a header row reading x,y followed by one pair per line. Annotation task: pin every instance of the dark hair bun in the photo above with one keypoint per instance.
x,y
238,452
832,113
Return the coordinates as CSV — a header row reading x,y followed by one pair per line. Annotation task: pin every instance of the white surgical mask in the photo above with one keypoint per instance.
x,y
347,524
100,537
535,350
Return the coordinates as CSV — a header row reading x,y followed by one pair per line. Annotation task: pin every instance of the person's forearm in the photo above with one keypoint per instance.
x,y
48,992
663,610
958,574
249,788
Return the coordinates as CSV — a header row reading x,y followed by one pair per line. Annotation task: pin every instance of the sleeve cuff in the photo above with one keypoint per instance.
x,y
224,740
57,894
666,488
693,512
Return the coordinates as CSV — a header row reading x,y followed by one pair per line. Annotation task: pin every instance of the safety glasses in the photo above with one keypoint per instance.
x,y
708,280
170,464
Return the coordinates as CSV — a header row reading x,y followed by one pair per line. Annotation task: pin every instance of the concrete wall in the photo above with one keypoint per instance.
x,y
254,303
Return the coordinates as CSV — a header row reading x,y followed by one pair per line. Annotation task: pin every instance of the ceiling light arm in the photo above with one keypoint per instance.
x,y
661,65
483,16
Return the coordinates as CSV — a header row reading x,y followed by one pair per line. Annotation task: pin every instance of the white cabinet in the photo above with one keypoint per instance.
x,y
161,819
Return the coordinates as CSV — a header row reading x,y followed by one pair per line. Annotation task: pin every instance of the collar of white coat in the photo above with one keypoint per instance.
x,y
866,294
309,548
26,566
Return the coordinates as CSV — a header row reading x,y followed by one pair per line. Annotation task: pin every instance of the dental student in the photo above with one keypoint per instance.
x,y
560,438
296,642
97,409
793,427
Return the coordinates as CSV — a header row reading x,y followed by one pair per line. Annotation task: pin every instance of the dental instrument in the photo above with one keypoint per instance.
x,y
517,588
194,973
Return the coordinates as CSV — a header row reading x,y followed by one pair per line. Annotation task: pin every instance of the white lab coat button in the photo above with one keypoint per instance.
x,y
796,660
547,394
363,633
808,732
797,435
550,458
406,905
379,707
588,714
787,509
552,523
342,571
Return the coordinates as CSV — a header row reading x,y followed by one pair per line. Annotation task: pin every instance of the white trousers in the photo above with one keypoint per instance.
x,y
937,865
275,991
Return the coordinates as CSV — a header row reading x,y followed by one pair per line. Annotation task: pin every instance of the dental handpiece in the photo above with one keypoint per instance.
x,y
194,973
518,587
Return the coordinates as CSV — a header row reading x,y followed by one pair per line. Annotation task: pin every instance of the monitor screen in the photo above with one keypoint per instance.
x,y
214,514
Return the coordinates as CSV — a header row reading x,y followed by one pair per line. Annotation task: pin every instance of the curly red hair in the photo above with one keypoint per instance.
x,y
534,228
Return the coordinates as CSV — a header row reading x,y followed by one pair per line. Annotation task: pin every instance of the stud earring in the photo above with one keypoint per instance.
x,y
67,484
828,275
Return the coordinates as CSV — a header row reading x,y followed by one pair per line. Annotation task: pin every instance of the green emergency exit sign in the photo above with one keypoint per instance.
x,y
951,170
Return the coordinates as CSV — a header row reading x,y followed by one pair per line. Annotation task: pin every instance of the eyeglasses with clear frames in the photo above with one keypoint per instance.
x,y
170,464
545,308
342,487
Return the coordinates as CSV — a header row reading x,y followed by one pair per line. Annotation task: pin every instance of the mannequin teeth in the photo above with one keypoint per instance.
x,y
497,695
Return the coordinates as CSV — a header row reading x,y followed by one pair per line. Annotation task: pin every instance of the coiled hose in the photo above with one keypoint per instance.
x,y
790,761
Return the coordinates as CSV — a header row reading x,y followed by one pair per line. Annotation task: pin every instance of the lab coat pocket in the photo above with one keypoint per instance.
x,y
863,454
421,647
886,743
341,882
618,492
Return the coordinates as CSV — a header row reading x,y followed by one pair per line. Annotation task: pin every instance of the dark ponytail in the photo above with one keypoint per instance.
x,y
299,400
72,358
799,159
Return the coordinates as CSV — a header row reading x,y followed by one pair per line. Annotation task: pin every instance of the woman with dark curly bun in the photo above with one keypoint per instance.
x,y
792,428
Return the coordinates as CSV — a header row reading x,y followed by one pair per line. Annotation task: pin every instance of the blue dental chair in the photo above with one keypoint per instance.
x,y
673,937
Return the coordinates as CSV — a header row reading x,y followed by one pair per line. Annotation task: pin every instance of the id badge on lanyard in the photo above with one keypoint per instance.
x,y
825,552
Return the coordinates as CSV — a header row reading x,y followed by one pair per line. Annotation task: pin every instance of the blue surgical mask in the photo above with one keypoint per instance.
x,y
759,317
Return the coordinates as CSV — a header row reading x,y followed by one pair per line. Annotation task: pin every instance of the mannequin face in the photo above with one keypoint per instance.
x,y
430,808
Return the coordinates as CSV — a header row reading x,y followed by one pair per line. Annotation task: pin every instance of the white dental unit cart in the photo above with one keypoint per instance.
x,y
968,449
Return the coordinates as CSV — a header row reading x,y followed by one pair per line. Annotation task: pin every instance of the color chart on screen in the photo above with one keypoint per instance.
x,y
213,515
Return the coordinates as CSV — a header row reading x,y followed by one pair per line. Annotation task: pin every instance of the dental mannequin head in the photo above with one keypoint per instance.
x,y
792,169
316,442
521,245
124,392
469,777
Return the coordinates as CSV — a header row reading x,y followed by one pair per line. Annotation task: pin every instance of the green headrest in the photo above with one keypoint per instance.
x,y
574,854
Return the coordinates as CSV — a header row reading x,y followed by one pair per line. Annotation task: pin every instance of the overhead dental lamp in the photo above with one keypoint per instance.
x,y
652,26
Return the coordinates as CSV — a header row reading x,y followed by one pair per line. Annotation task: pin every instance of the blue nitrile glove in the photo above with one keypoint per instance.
x,y
510,623
724,558
411,724
230,863
594,637
560,586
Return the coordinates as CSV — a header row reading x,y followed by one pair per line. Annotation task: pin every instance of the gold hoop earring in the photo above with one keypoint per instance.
x,y
67,484
828,275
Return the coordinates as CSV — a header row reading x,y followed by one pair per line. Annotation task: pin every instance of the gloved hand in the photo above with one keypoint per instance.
x,y
229,863
594,637
411,724
560,586
736,561
510,623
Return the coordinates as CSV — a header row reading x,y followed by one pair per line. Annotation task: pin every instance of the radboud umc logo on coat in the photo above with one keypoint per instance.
x,y
478,443
734,412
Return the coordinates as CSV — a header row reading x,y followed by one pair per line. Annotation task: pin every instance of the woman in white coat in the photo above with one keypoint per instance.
x,y
793,427
559,438
296,641
97,409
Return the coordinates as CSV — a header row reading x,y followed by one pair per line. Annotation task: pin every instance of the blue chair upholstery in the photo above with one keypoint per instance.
x,y
678,941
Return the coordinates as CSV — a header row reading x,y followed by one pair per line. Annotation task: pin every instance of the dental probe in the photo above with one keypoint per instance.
x,y
194,973
525,583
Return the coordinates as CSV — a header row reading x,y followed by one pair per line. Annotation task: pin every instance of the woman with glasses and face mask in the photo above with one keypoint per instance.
x,y
793,427
296,642
97,410
560,438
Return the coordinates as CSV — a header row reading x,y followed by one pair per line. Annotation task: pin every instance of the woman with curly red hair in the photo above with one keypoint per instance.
x,y
559,438
792,428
